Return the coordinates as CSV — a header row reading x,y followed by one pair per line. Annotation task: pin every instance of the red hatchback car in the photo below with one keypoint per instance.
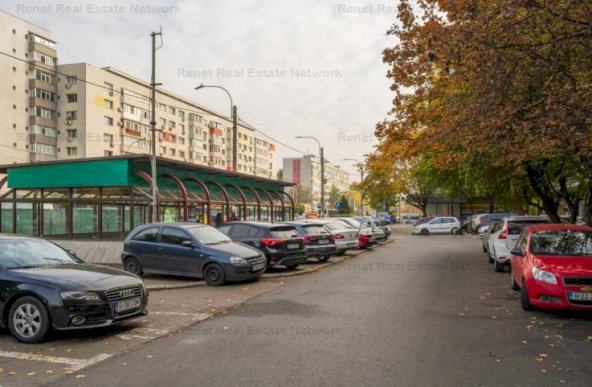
x,y
552,267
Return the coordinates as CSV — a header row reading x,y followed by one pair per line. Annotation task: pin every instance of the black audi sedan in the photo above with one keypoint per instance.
x,y
190,250
43,287
280,242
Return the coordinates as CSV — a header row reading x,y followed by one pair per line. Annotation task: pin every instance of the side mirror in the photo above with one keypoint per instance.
x,y
517,251
187,244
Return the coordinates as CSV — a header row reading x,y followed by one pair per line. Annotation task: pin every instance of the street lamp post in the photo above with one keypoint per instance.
x,y
153,129
322,173
361,168
233,113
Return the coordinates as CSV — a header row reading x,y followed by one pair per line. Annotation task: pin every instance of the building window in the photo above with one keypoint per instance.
x,y
42,130
107,137
39,57
71,116
71,151
108,153
72,97
44,149
43,76
72,80
182,115
162,122
182,128
43,94
173,151
107,104
108,120
182,153
44,113
163,150
71,133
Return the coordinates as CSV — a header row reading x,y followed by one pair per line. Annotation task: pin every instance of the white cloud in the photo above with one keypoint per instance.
x,y
340,106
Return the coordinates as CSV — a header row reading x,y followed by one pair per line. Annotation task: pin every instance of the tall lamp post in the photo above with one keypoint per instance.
x,y
322,173
361,168
153,129
233,114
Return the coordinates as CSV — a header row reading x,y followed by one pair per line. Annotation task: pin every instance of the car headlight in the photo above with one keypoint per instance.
x,y
77,295
544,276
238,261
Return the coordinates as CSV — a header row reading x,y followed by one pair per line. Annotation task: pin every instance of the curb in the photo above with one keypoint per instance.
x,y
271,276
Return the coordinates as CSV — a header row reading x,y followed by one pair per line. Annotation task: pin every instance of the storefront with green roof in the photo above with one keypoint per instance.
x,y
105,198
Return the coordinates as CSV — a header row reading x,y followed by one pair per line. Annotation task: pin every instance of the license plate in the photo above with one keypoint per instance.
x,y
293,246
132,303
576,296
354,244
323,241
258,266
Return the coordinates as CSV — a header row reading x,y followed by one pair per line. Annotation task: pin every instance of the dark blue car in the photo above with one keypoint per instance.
x,y
191,250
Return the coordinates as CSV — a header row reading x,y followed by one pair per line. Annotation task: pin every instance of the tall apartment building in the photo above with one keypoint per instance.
x,y
105,112
78,110
28,92
306,172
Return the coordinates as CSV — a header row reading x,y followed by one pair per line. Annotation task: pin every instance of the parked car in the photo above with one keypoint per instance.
x,y
280,243
44,287
318,241
438,225
367,236
423,219
485,220
344,235
375,223
505,238
410,218
190,250
487,239
552,267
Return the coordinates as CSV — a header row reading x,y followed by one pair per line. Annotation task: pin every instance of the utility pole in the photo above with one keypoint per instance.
x,y
153,129
234,140
322,183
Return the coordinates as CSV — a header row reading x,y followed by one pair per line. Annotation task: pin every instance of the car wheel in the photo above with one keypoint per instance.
x,y
133,266
484,248
324,259
341,252
214,275
424,231
454,230
524,300
513,282
28,320
489,258
498,266
291,267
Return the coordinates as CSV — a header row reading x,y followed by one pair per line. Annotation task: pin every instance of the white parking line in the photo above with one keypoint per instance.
x,y
75,364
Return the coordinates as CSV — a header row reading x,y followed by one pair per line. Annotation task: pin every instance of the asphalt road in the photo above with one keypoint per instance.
x,y
422,311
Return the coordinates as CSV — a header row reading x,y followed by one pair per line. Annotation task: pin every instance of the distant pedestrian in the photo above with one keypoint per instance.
x,y
233,217
219,219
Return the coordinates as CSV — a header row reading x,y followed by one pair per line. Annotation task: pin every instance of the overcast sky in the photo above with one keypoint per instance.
x,y
293,67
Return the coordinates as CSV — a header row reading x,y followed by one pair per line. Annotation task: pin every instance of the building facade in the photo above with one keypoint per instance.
x,y
78,110
306,172
28,92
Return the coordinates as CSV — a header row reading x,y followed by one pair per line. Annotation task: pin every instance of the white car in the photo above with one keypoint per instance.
x,y
505,238
439,225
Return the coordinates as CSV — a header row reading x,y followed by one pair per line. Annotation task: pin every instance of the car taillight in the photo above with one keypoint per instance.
x,y
503,234
270,242
308,239
338,236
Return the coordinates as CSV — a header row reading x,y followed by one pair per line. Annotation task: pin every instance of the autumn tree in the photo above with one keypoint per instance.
x,y
506,82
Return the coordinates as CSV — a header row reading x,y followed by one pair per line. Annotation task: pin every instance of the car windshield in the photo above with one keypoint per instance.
x,y
207,235
515,227
352,222
365,221
562,242
337,226
26,253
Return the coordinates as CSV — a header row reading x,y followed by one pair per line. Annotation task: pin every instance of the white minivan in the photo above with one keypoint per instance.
x,y
439,225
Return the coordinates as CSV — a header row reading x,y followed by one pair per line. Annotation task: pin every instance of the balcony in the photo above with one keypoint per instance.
x,y
216,131
41,139
37,84
34,101
46,122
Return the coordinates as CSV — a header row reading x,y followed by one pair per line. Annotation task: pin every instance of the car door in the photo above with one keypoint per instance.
x,y
435,225
517,263
176,258
145,247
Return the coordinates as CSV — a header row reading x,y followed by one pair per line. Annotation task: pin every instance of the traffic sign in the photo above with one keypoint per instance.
x,y
337,205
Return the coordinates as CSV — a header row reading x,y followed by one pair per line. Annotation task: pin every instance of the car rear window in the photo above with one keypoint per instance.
x,y
336,226
283,232
516,227
314,229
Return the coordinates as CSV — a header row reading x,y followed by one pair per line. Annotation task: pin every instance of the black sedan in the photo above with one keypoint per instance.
x,y
43,286
190,250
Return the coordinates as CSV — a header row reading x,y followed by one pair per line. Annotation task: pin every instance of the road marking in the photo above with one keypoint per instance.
x,y
75,364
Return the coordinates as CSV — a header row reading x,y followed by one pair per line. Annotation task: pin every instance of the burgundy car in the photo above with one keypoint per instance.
x,y
552,266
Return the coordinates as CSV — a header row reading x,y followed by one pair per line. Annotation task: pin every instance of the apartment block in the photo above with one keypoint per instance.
x,y
306,172
105,112
28,92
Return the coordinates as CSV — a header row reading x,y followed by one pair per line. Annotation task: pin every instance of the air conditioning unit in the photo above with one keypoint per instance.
x,y
67,86
119,109
120,124
68,122
111,92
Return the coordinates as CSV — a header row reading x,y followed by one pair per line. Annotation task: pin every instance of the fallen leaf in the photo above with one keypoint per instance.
x,y
149,356
80,376
524,342
31,373
68,372
12,373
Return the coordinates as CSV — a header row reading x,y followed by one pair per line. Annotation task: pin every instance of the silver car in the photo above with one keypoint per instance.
x,y
344,235
505,238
